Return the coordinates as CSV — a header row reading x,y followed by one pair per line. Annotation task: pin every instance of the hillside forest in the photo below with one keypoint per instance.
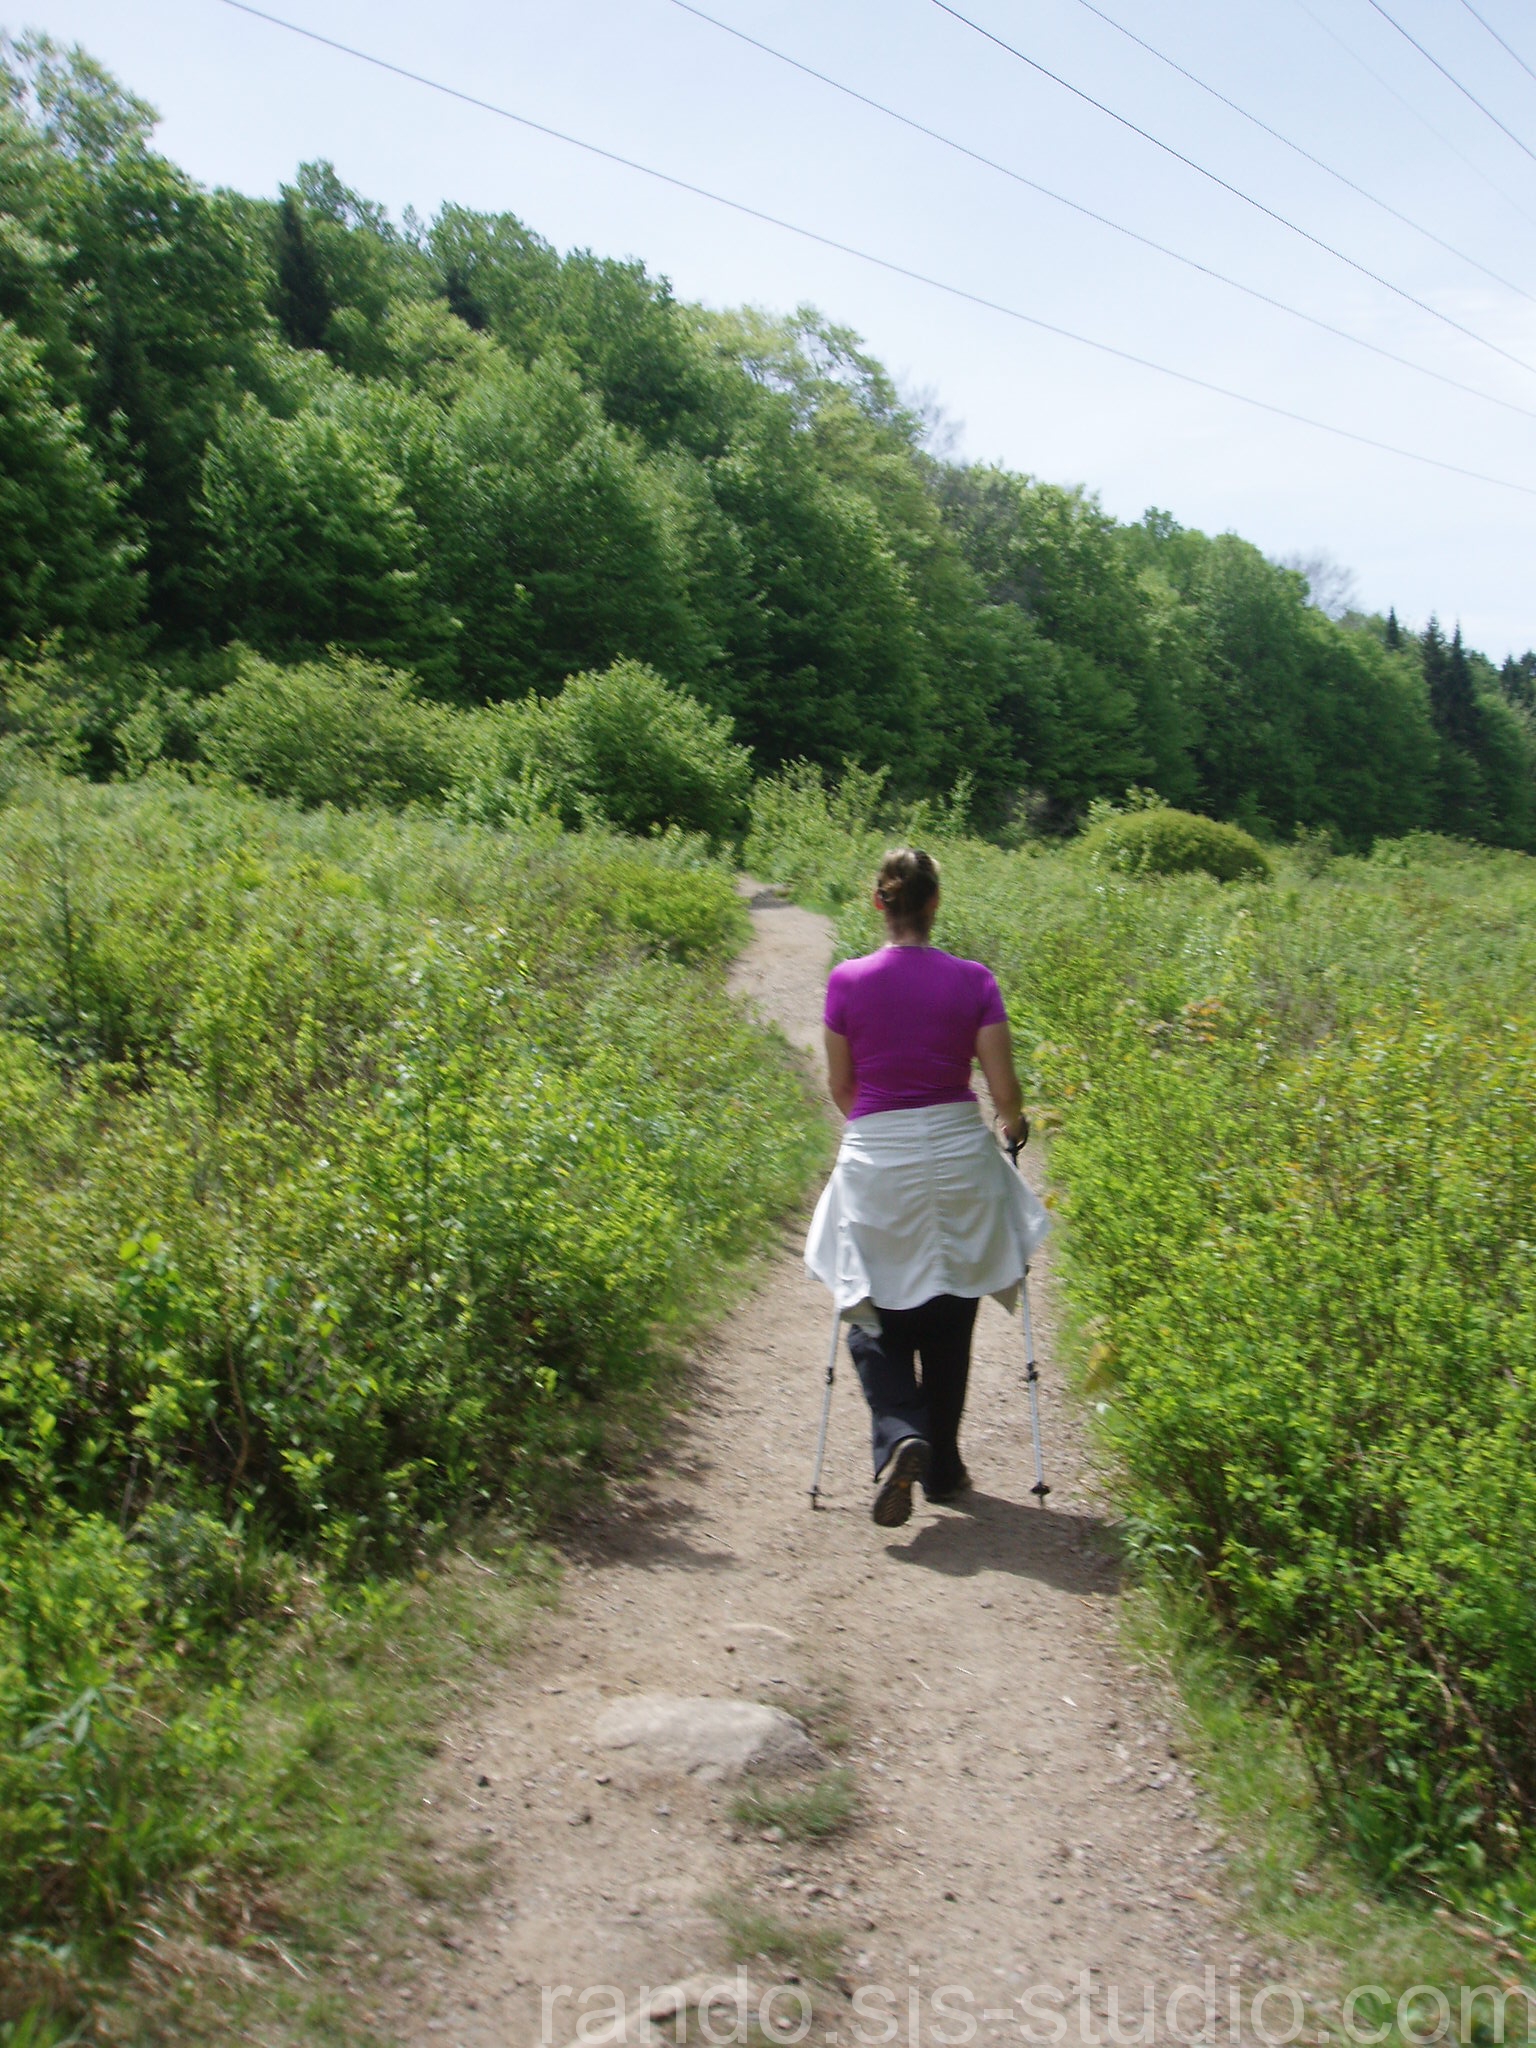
x,y
293,425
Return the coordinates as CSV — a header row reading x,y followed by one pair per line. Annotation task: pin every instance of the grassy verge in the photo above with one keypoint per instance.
x,y
326,1872
1289,1871
322,1852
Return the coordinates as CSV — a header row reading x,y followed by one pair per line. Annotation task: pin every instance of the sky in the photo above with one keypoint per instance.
x,y
243,103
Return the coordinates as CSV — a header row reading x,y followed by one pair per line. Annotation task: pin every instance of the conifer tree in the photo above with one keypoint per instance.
x,y
1448,675
1517,679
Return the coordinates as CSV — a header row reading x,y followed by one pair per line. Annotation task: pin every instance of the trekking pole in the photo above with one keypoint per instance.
x,y
1032,1381
826,1407
1031,1375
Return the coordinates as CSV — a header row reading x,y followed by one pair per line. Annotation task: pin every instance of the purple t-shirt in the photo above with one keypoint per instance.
x,y
910,1015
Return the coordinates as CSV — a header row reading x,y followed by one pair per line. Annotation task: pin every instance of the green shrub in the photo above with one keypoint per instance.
x,y
1167,842
415,1227
682,913
643,755
621,748
1295,1146
102,1753
342,731
348,1165
823,837
202,1577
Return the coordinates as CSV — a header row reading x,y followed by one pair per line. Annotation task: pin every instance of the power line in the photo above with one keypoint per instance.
x,y
885,263
1409,108
1342,177
1089,213
1509,47
1236,191
1430,58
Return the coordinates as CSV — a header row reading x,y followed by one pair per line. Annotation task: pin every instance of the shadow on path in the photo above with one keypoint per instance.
x,y
1074,1553
648,1529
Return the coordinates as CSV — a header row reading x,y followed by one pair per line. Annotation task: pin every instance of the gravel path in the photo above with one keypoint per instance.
x,y
1024,1819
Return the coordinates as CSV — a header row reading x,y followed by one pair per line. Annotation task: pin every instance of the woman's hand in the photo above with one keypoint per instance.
x,y
1016,1136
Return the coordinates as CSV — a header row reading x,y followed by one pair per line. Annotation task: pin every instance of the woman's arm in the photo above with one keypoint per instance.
x,y
994,1049
840,1079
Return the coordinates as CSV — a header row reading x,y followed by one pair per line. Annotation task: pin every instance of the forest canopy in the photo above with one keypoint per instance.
x,y
298,428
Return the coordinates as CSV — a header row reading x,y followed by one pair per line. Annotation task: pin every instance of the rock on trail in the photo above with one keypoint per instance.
x,y
709,1739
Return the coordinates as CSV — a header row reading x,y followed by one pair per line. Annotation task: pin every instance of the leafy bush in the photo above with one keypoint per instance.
x,y
1160,841
341,731
648,755
622,748
1300,1224
102,1750
627,748
347,1165
680,911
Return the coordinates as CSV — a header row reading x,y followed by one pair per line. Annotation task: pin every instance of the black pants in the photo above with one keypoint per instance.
x,y
938,1333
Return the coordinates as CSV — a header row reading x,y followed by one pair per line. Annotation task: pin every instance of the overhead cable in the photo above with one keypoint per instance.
x,y
1300,150
1409,108
1509,48
1236,191
885,263
1430,58
1090,213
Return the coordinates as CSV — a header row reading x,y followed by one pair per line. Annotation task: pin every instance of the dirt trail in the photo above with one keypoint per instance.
x,y
1024,1819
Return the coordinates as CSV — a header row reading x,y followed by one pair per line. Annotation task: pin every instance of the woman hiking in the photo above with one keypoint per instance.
x,y
921,1217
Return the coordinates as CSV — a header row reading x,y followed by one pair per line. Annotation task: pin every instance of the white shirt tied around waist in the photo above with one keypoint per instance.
x,y
922,1202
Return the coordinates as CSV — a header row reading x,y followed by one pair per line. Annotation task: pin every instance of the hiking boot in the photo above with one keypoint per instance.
x,y
941,1495
906,1467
